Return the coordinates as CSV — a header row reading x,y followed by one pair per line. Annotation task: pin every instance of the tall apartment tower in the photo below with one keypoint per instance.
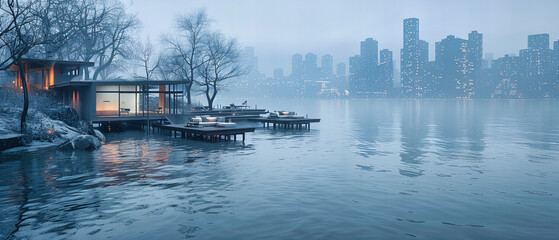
x,y
413,56
385,72
327,66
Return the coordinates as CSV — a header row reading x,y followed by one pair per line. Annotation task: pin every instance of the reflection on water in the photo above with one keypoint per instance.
x,y
384,168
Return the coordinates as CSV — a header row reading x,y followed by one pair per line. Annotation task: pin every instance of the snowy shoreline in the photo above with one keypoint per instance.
x,y
58,143
45,132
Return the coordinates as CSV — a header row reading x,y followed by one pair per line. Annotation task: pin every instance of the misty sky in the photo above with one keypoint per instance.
x,y
279,29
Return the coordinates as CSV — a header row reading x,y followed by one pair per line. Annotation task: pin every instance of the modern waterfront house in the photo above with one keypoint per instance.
x,y
102,100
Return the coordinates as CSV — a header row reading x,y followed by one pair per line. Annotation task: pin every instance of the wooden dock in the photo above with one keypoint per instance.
x,y
290,123
212,134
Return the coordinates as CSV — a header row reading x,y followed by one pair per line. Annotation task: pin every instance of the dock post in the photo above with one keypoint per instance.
x,y
243,137
235,137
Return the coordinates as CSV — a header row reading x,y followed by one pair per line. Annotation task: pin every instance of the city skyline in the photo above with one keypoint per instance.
x,y
277,30
458,70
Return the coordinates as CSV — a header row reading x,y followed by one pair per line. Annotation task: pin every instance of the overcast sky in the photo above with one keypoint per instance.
x,y
280,28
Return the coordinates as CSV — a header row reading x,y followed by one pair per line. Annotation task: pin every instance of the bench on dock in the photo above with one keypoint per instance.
x,y
212,134
293,123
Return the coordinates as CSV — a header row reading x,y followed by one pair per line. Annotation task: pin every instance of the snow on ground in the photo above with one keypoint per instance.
x,y
43,130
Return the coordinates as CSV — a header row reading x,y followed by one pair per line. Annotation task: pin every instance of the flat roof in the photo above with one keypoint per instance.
x,y
56,61
81,83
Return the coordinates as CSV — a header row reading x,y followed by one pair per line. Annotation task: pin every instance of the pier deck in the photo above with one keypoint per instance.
x,y
212,134
292,123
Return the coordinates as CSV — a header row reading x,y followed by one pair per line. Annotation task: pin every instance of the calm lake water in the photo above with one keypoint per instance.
x,y
399,169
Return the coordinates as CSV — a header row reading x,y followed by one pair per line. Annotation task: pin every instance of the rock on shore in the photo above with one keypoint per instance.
x,y
81,142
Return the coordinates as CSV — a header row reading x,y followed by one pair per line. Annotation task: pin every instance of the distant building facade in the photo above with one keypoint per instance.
x,y
413,56
327,66
536,66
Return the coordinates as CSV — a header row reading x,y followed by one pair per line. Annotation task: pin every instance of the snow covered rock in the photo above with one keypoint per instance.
x,y
81,142
100,136
68,145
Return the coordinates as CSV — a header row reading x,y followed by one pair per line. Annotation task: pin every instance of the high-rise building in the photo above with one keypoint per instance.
x,y
340,69
538,41
254,77
297,66
423,57
369,63
556,68
536,67
456,81
506,74
356,84
556,52
475,58
411,31
433,76
327,65
413,56
249,57
385,73
310,69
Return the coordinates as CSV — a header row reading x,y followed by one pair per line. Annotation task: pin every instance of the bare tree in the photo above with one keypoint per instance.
x,y
186,48
104,35
117,42
222,61
148,62
23,30
167,70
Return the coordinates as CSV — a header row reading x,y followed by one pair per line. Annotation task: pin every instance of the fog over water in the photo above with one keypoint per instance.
x,y
279,29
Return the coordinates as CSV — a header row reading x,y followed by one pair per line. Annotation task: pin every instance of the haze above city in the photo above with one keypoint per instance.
x,y
279,29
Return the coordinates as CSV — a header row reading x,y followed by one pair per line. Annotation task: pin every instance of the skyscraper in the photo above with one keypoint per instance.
x,y
411,31
369,63
327,65
455,68
505,73
355,79
538,41
423,58
310,68
433,77
413,56
297,66
249,57
475,58
385,73
556,52
254,76
556,68
536,67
